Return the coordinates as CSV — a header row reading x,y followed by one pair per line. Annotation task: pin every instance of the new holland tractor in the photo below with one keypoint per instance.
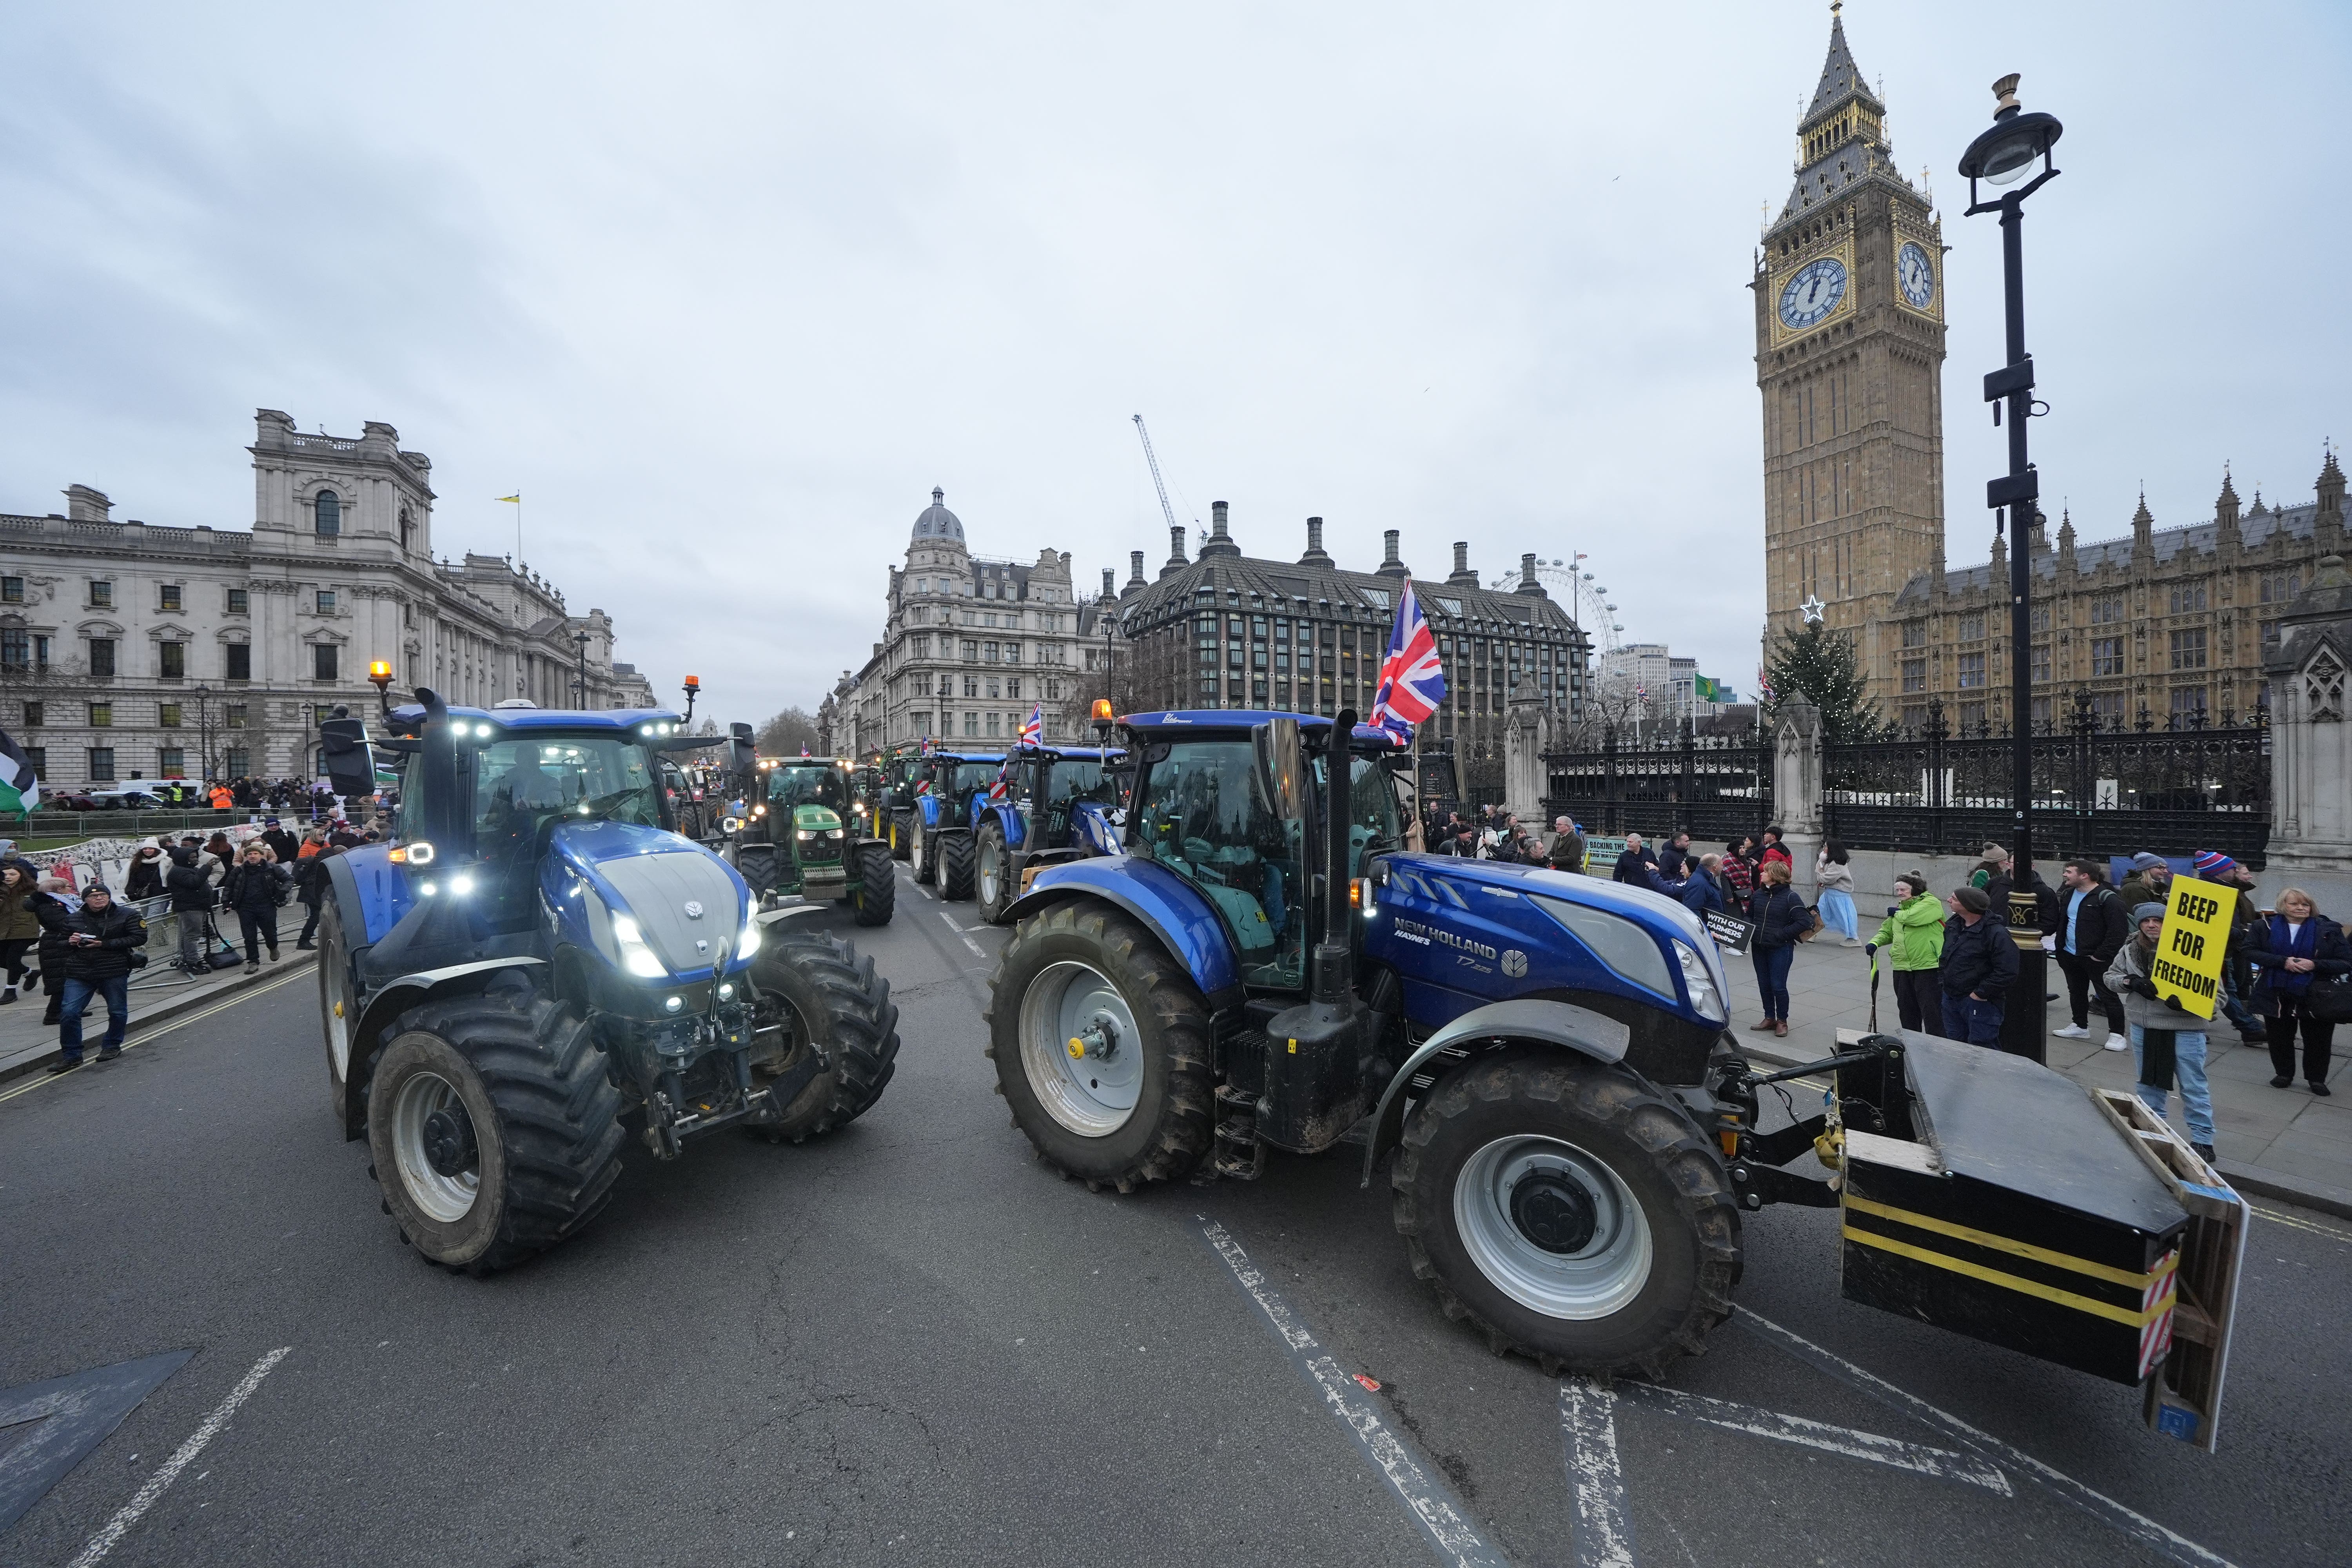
x,y
791,831
538,970
899,770
1058,806
948,787
1574,1132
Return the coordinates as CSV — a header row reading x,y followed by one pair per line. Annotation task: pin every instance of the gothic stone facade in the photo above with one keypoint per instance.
x,y
971,644
128,649
1228,630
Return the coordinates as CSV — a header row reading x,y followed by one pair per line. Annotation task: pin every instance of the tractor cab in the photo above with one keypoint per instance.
x,y
1056,805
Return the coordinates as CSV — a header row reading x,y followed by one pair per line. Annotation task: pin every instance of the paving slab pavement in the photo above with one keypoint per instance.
x,y
2284,1142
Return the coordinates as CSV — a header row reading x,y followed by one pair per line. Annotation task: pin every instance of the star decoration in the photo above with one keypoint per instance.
x,y
1812,608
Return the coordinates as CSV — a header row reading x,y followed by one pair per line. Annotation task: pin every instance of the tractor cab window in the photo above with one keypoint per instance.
x,y
1072,779
1202,816
525,786
1372,821
820,784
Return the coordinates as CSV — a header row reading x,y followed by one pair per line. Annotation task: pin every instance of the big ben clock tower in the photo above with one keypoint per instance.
x,y
1849,356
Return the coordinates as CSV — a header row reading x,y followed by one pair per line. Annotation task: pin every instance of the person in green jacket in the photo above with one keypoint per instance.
x,y
1913,935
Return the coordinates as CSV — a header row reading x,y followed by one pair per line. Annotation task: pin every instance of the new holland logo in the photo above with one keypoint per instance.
x,y
694,909
1515,963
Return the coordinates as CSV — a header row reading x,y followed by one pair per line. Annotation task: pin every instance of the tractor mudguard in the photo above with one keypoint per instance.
x,y
1008,818
929,806
398,997
365,884
1561,1025
1173,910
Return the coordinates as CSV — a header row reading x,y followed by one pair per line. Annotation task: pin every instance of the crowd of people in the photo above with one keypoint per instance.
x,y
80,944
315,800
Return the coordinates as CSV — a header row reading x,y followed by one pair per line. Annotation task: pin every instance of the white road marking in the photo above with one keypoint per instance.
x,y
2098,1505
1430,1502
1941,1463
169,1471
1604,1531
960,936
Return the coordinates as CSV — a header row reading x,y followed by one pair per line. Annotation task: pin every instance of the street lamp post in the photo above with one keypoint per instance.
x,y
2016,147
204,737
580,686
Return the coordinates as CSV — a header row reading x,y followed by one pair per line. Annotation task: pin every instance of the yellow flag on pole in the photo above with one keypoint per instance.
x,y
516,497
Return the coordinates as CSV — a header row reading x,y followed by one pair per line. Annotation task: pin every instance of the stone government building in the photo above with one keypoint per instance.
x,y
2168,624
127,648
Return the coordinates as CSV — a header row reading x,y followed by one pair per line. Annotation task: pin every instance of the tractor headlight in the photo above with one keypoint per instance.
x,y
805,834
750,943
834,833
1706,1000
635,956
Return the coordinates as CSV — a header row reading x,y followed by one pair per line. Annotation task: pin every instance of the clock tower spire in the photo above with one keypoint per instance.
x,y
1849,358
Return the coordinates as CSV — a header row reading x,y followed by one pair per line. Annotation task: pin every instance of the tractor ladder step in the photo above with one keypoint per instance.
x,y
1238,1155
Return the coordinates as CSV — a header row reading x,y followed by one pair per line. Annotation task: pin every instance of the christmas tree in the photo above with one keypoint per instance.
x,y
1817,663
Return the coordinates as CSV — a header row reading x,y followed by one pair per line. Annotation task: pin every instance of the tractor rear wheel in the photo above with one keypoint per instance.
x,y
994,872
1134,1104
956,873
339,1002
815,992
922,850
898,833
873,885
1569,1210
494,1130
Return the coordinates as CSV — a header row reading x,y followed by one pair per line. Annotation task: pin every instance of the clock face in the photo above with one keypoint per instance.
x,y
1813,293
1918,273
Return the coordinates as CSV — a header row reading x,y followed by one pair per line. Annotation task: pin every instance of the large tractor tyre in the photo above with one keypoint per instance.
x,y
958,872
898,833
1136,1104
992,873
495,1130
873,885
823,996
1569,1211
922,850
339,1001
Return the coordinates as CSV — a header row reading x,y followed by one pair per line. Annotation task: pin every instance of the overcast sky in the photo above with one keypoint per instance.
x,y
725,290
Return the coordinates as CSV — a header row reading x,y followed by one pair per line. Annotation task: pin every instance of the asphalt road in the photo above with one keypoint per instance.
x,y
912,1344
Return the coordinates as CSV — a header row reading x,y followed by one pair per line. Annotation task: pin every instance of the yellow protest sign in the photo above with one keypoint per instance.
x,y
2194,943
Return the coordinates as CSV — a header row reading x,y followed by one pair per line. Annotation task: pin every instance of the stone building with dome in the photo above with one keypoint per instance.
x,y
971,644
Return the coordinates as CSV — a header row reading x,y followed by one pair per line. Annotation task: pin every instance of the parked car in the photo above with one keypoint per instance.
x,y
131,795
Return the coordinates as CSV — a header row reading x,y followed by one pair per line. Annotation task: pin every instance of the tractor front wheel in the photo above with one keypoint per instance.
x,y
898,833
873,885
995,873
957,872
1101,1045
494,1130
338,1006
922,850
1569,1211
811,993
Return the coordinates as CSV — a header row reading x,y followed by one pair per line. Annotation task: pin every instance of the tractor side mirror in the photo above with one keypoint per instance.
x,y
1281,761
350,762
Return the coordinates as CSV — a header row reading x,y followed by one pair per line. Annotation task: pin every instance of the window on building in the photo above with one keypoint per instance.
x,y
233,715
2106,655
2041,617
2040,662
326,601
2278,587
2041,711
327,513
240,660
167,596
171,762
236,761
1972,716
2188,648
101,656
972,686
1013,690
407,526
101,764
2107,707
971,652
1972,627
1915,675
322,661
33,712
922,686
971,722
16,649
2188,702
2188,597
2107,609
101,715
172,660
1914,716
919,647
12,590
1972,669
238,599
101,596
38,758
167,715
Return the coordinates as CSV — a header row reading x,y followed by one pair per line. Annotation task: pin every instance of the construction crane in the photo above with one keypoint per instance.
x,y
1157,483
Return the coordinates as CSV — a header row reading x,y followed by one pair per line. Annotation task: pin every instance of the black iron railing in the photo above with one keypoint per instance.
x,y
1719,787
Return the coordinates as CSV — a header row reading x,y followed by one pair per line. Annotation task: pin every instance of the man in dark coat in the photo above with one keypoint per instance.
x,y
100,937
1979,965
283,844
252,890
1567,847
190,883
2093,923
1634,863
311,876
1670,857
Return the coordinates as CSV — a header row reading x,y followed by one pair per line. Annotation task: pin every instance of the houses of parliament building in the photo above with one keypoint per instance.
x,y
2166,624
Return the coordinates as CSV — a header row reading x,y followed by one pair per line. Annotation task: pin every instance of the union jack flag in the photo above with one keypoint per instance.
x,y
1032,731
1412,677
1003,783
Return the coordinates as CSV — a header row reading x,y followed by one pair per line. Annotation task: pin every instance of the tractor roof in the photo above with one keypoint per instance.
x,y
617,720
1162,723
945,756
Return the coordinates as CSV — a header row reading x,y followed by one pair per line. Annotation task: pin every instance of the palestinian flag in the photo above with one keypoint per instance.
x,y
19,790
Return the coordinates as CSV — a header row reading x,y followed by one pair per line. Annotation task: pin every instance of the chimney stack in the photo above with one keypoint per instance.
x,y
1176,561
1390,565
1135,572
1529,582
1315,554
84,504
1462,577
1219,542
1110,583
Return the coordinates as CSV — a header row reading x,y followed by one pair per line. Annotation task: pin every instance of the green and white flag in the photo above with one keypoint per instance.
x,y
19,790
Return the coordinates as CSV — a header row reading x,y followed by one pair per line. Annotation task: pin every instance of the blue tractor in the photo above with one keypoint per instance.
x,y
538,966
1059,805
948,784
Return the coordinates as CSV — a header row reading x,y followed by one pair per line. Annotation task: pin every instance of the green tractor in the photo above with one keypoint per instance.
x,y
897,771
792,833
